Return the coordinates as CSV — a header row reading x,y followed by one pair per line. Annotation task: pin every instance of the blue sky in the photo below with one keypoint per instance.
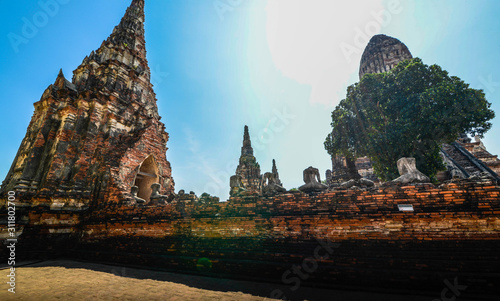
x,y
278,66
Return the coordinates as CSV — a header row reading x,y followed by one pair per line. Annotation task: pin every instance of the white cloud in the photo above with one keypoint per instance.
x,y
305,39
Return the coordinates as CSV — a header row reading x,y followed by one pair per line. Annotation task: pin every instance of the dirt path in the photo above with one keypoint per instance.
x,y
59,283
74,281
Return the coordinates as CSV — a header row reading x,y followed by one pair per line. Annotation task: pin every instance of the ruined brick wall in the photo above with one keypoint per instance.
x,y
454,231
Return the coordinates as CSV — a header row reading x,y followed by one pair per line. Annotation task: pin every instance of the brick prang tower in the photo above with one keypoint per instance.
x,y
248,167
90,140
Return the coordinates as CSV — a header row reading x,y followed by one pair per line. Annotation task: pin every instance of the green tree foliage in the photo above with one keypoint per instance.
x,y
407,112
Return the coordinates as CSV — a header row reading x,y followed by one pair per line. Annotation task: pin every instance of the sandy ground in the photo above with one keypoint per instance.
x,y
72,280
60,283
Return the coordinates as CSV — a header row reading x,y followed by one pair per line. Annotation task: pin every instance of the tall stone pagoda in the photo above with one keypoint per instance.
x,y
382,54
92,139
248,168
463,158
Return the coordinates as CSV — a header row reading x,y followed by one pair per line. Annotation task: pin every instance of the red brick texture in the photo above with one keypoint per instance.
x,y
454,231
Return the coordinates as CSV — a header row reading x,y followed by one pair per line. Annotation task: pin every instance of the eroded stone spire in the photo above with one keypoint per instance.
x,y
248,170
246,149
92,140
382,54
130,31
120,66
276,174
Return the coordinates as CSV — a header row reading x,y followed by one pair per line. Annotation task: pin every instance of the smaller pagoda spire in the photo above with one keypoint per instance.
x,y
276,174
247,149
248,169
61,82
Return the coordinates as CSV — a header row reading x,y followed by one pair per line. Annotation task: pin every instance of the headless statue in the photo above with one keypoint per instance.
x,y
156,197
134,190
236,185
312,180
407,168
270,185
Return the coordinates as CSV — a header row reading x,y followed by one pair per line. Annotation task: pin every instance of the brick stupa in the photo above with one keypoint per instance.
x,y
248,168
463,158
90,140
382,54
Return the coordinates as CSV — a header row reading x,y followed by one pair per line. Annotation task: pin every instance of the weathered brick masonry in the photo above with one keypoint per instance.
x,y
454,231
93,140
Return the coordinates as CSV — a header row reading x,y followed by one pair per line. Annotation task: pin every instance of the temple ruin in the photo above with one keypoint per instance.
x,y
463,158
248,179
92,139
382,54
248,168
91,181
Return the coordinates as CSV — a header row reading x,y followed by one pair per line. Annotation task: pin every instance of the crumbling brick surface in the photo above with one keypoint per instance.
x,y
87,145
454,231
88,137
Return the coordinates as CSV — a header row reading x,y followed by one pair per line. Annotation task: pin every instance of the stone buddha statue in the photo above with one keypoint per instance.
x,y
312,180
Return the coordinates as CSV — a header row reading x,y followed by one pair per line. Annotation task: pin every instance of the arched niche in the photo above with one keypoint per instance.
x,y
148,175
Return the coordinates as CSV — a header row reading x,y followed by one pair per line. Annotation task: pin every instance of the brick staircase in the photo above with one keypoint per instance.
x,y
466,161
460,159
